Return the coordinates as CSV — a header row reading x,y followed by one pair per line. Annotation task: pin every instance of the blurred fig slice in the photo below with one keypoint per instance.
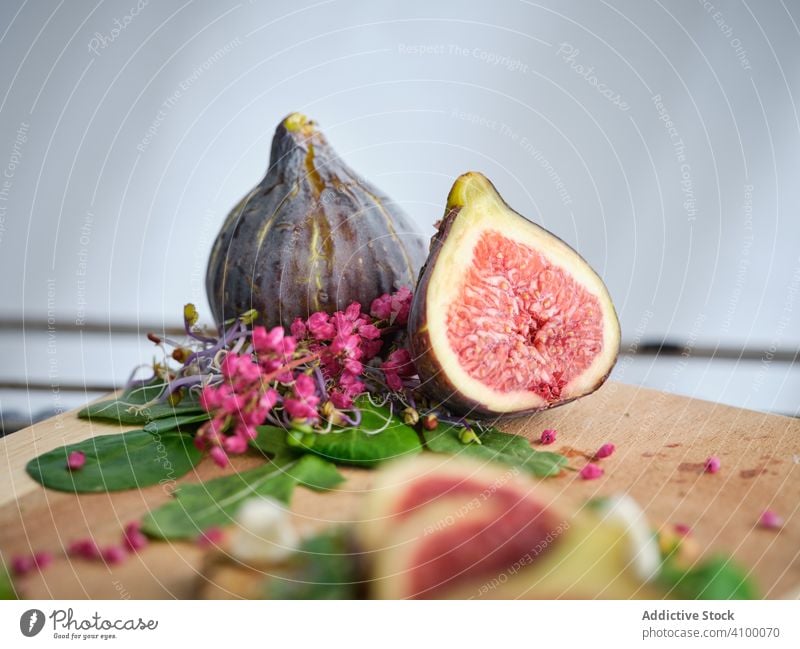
x,y
433,525
507,318
457,529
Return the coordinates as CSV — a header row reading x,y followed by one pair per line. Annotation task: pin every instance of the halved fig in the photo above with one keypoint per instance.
x,y
433,525
458,529
507,318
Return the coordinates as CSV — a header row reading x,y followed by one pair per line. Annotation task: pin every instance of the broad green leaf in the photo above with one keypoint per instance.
x,y
6,586
115,462
196,507
128,408
717,577
183,423
272,441
360,446
323,567
513,450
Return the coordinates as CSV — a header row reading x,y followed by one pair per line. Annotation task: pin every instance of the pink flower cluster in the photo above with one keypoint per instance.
x,y
288,378
240,402
393,308
343,342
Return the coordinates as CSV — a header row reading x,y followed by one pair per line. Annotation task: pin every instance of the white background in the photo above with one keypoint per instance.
x,y
707,265
477,624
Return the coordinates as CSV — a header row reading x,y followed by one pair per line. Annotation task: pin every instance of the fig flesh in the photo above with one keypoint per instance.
x,y
311,236
456,529
507,318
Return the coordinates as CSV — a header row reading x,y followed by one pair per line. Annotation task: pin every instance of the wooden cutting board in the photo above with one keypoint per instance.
x,y
662,441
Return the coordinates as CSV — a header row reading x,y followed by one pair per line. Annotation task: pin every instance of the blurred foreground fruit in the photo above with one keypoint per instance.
x,y
447,528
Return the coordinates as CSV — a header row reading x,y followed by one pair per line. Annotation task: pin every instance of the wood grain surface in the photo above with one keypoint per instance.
x,y
662,441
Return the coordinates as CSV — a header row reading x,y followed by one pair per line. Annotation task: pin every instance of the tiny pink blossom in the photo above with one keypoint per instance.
x,y
133,538
770,520
114,554
42,559
304,386
234,403
76,460
22,564
398,366
303,403
712,464
683,529
265,341
235,444
401,305
369,331
219,456
210,398
605,451
381,307
320,326
346,345
548,436
210,536
83,548
299,329
240,367
591,471
349,388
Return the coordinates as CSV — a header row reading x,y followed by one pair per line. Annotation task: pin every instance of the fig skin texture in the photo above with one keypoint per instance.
x,y
436,528
553,334
311,236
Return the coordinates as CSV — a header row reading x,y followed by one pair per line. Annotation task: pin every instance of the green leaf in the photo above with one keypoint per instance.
x,y
362,445
513,450
272,441
176,422
717,577
6,585
323,567
196,507
128,408
115,462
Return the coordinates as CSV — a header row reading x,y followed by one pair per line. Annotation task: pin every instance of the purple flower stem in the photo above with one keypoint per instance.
x,y
132,382
355,421
176,384
195,335
320,383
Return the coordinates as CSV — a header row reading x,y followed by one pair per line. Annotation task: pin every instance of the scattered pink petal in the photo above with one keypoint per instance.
x,y
22,565
133,538
76,460
114,554
770,520
548,436
42,559
84,548
605,451
712,464
683,529
591,471
211,536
